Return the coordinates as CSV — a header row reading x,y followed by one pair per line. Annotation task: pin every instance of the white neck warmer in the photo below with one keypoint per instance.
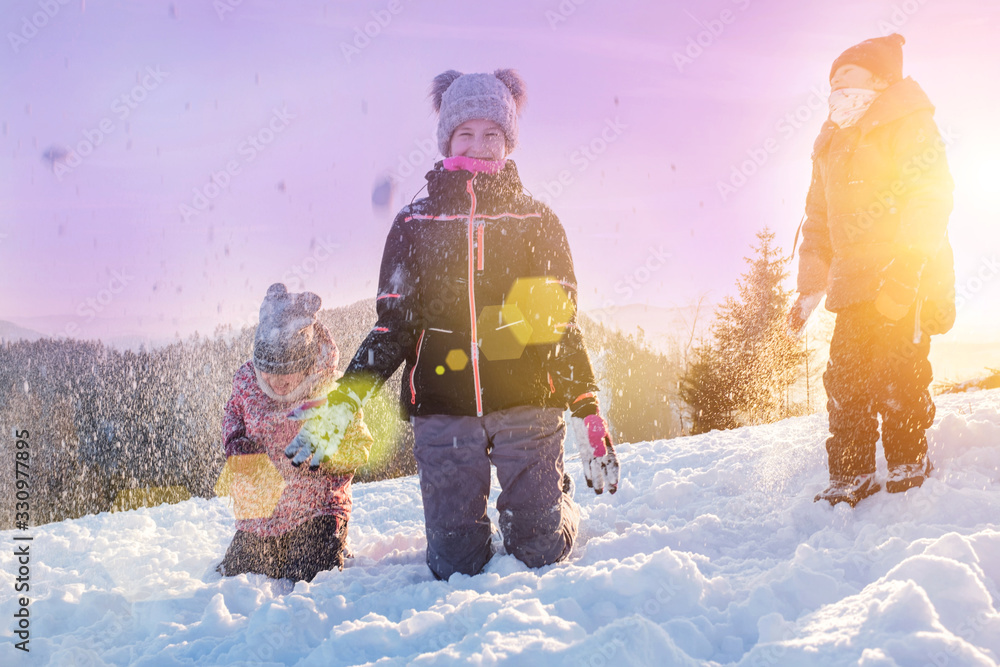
x,y
848,105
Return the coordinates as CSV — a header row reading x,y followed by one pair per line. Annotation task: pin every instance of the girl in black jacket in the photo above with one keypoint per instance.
x,y
477,298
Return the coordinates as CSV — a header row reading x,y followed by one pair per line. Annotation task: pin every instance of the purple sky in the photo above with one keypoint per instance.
x,y
103,248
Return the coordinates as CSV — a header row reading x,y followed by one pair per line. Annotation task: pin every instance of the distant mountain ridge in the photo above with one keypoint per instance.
x,y
11,332
663,328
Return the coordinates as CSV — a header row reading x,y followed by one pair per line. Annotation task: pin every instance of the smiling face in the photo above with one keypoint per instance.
x,y
283,384
855,76
479,138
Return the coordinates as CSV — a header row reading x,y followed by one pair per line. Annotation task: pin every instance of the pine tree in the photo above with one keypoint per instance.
x,y
707,393
741,376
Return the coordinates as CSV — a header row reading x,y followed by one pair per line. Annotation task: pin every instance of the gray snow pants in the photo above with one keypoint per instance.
x,y
538,521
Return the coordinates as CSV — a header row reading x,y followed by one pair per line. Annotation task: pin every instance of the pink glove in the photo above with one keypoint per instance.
x,y
597,453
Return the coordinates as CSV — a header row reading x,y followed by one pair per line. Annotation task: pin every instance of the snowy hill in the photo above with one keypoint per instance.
x,y
712,553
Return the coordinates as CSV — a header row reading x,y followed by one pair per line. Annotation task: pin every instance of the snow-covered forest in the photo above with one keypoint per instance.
x,y
112,424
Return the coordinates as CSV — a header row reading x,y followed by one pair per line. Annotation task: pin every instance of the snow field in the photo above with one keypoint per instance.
x,y
712,552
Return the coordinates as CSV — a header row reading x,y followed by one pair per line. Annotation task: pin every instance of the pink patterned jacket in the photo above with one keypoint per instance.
x,y
255,422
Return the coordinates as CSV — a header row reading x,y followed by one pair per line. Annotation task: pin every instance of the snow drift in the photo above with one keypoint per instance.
x,y
712,552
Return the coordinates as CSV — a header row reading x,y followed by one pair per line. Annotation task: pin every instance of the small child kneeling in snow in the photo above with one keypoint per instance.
x,y
291,522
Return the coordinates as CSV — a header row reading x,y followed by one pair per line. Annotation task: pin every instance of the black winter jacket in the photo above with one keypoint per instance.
x,y
452,303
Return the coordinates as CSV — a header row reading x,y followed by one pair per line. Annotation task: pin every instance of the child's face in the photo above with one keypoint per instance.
x,y
479,138
855,76
283,384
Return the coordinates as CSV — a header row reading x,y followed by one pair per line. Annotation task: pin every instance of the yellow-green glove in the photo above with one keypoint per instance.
x,y
325,422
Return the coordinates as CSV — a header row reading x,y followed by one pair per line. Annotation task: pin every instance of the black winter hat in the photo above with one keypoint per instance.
x,y
882,56
285,341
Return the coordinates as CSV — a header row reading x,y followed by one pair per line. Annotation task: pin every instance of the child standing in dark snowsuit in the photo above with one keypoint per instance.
x,y
291,523
477,298
875,240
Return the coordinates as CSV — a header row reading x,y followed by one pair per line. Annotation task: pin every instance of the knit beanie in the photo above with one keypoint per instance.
x,y
285,341
459,97
882,56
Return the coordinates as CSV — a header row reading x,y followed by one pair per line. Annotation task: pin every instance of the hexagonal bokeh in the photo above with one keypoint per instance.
x,y
545,305
253,483
456,360
150,496
503,332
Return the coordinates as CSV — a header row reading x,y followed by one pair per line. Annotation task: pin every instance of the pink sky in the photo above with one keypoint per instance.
x,y
104,249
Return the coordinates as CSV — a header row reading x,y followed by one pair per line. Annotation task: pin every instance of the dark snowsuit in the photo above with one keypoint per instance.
x,y
877,215
452,267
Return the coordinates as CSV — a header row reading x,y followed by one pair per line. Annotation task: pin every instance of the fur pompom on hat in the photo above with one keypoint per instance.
x,y
882,56
285,341
458,98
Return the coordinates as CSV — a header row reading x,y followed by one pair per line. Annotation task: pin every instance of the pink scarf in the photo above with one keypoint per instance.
x,y
474,165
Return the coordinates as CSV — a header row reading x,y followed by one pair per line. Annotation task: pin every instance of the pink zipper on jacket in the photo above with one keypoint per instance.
x,y
480,233
472,294
413,387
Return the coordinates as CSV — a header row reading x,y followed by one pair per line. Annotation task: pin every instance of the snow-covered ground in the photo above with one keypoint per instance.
x,y
712,552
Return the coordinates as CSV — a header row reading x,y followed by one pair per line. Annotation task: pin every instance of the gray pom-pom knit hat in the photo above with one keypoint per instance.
x,y
285,341
461,97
